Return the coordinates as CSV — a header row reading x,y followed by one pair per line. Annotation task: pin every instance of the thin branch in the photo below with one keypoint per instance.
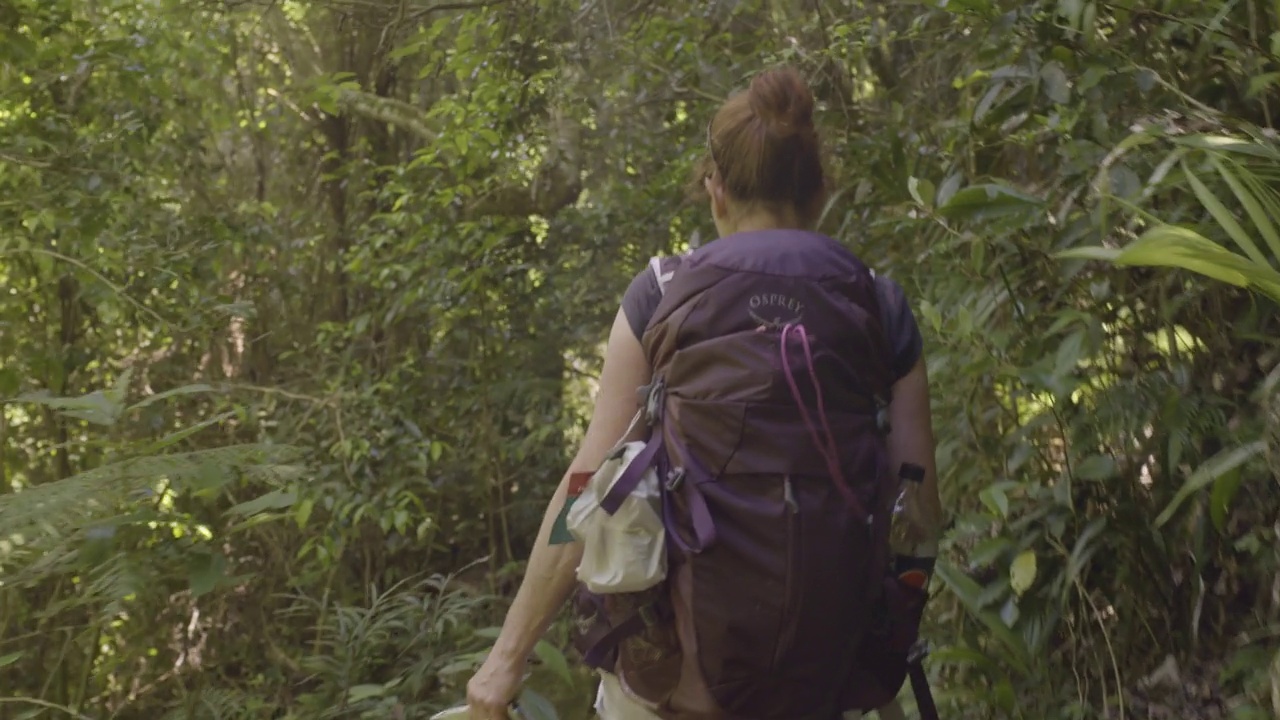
x,y
675,82
23,161
417,13
44,704
559,191
117,289
388,110
327,401
442,7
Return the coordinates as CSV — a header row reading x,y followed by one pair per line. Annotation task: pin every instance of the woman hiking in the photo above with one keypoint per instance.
x,y
784,392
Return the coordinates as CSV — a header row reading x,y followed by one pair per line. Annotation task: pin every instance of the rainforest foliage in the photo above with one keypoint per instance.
x,y
303,301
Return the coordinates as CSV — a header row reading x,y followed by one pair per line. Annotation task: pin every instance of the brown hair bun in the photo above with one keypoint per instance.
x,y
763,144
782,102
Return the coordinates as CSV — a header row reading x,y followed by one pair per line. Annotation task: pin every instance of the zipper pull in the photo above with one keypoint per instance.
x,y
788,496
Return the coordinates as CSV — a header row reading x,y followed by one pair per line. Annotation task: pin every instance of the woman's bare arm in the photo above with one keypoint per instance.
x,y
911,441
550,575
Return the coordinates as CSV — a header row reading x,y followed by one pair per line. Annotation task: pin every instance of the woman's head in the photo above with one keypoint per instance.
x,y
764,161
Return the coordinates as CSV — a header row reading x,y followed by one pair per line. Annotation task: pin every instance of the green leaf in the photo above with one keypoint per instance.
x,y
360,693
1092,252
410,48
178,436
1056,85
1226,143
535,707
965,7
302,512
120,389
1220,497
1071,11
1179,247
1213,468
209,478
1004,695
986,201
1083,551
1069,353
11,658
956,654
1224,217
1096,467
995,500
986,551
921,191
1259,84
1174,246
555,661
184,390
463,663
968,593
274,500
948,188
205,571
1261,218
1022,572
95,407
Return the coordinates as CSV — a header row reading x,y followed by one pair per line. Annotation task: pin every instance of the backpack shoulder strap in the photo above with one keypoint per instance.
x,y
655,264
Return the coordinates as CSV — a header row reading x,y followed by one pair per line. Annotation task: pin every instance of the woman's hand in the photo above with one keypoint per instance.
x,y
493,687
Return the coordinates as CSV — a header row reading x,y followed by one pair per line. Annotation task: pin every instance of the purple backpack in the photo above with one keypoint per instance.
x,y
768,416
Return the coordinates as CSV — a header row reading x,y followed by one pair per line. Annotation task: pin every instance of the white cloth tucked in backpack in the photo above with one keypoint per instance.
x,y
613,702
625,552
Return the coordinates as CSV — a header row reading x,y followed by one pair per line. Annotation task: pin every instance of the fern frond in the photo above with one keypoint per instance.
x,y
46,514
214,704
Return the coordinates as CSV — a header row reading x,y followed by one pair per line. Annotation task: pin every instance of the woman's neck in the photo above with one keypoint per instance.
x,y
765,219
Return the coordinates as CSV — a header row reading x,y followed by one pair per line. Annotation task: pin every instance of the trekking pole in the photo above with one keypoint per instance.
x,y
920,682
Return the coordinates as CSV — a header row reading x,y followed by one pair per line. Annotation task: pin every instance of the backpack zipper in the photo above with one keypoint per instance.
x,y
789,590
788,495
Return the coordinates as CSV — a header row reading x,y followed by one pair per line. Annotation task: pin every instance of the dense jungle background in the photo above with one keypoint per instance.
x,y
302,303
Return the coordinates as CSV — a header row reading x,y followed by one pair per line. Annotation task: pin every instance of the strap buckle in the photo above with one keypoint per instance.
x,y
918,652
650,398
882,415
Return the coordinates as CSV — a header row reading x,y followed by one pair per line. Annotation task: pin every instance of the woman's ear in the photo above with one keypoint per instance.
x,y
715,189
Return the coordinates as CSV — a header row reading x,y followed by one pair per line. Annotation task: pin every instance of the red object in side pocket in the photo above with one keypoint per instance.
x,y
578,482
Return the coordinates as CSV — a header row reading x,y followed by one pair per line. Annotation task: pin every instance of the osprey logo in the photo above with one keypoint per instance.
x,y
774,310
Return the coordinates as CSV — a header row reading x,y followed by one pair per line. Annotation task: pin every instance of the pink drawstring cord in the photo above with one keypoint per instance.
x,y
828,448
